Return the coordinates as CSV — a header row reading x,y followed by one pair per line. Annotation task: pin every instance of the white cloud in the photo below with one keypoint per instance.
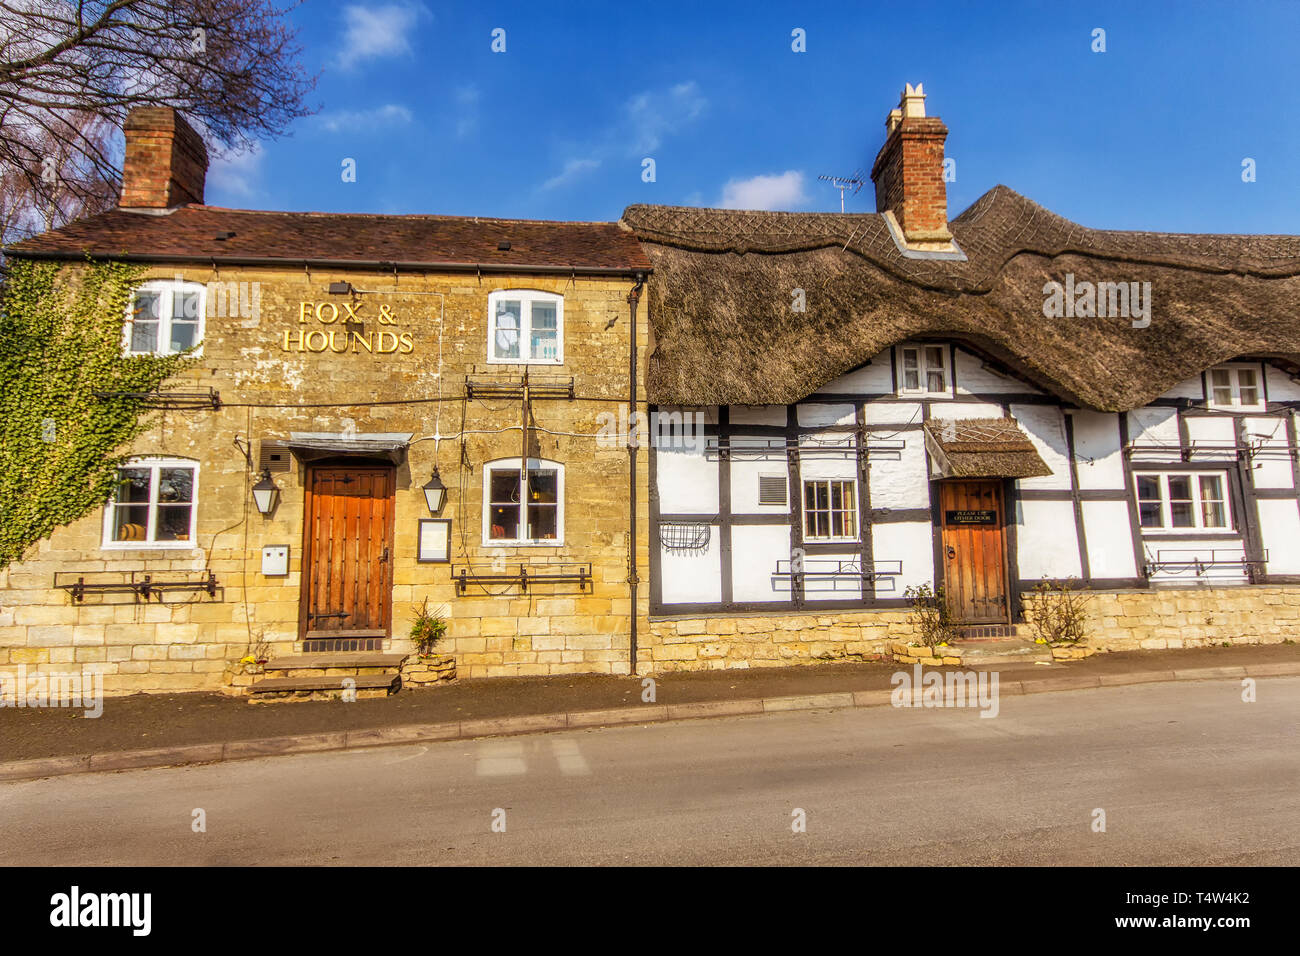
x,y
645,121
653,115
573,169
467,98
350,121
237,175
385,30
781,191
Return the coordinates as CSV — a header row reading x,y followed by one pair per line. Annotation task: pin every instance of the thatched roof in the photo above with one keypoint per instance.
x,y
983,448
725,332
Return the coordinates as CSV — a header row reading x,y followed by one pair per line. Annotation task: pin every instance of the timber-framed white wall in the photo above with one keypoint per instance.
x,y
1080,522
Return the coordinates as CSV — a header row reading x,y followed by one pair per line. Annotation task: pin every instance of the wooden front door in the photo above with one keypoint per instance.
x,y
347,552
974,550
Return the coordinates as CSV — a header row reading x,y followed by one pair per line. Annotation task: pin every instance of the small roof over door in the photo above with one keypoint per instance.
x,y
312,445
982,448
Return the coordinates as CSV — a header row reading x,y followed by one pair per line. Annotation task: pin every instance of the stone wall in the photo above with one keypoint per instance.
x,y
190,641
1169,618
741,641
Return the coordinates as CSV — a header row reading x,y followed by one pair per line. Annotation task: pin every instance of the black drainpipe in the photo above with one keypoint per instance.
x,y
634,437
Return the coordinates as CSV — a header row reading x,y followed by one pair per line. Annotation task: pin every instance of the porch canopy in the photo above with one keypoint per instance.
x,y
313,445
982,448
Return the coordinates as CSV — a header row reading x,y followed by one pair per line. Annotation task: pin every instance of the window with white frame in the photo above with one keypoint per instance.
x,y
830,510
525,327
165,316
523,505
152,505
1235,386
1195,501
923,370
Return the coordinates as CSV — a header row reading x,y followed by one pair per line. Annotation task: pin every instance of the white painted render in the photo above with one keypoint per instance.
x,y
755,551
911,542
1045,426
956,411
974,377
752,457
1279,522
1046,543
815,415
901,483
1097,450
758,415
1272,467
691,577
1107,529
875,378
1281,386
687,481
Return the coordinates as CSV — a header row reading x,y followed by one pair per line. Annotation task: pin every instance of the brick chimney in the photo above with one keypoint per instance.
x,y
908,173
166,161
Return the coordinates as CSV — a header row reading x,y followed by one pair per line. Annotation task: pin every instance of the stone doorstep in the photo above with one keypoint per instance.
x,y
336,659
364,681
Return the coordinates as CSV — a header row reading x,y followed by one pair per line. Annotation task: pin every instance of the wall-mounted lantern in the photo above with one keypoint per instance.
x,y
435,493
266,494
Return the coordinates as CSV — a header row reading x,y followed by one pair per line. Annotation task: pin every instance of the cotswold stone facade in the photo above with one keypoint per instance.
x,y
190,640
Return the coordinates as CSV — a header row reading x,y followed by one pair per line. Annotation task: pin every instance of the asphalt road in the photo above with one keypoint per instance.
x,y
1187,773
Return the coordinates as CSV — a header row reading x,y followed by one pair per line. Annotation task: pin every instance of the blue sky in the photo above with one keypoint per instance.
x,y
1150,134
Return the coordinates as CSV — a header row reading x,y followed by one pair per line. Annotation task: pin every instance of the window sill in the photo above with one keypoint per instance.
x,y
549,543
515,361
149,546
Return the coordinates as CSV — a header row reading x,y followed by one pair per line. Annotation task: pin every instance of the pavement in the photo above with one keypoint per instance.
x,y
158,730
1179,773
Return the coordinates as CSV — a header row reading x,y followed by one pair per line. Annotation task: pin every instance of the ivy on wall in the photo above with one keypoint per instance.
x,y
60,342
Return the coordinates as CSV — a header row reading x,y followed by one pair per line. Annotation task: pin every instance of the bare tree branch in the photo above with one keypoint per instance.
x,y
70,70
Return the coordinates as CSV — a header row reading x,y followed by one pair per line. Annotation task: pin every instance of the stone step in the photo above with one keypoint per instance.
x,y
285,686
334,660
322,682
1004,651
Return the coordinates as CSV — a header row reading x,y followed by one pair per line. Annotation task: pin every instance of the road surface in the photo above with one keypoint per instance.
x,y
1186,773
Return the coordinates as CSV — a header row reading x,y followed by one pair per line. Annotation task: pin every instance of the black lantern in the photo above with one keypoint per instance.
x,y
265,494
435,493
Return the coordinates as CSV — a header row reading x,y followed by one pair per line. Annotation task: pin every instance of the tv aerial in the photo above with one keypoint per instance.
x,y
842,183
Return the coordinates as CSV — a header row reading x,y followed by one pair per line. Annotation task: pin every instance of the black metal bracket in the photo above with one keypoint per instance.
x,y
579,574
142,586
210,398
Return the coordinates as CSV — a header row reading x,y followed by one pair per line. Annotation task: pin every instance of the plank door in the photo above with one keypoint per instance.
x,y
347,552
974,550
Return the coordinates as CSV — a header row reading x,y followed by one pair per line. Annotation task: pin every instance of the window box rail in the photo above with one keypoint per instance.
x,y
579,574
141,586
1182,560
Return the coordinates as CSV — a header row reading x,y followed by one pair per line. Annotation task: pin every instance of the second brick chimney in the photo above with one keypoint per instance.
x,y
166,161
908,173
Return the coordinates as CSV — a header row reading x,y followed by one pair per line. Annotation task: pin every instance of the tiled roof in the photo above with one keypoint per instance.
x,y
207,233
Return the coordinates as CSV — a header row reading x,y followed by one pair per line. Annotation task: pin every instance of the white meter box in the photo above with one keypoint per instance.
x,y
275,560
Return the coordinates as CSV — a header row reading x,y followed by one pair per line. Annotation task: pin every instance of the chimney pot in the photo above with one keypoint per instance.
x,y
166,162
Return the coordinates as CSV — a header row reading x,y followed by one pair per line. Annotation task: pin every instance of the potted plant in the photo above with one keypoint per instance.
x,y
427,629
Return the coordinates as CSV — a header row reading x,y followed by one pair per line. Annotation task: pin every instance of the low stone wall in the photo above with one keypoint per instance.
x,y
1167,618
763,641
917,654
1155,619
429,671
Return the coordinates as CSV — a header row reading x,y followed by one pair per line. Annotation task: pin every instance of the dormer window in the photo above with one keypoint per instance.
x,y
923,370
525,327
1235,387
165,317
